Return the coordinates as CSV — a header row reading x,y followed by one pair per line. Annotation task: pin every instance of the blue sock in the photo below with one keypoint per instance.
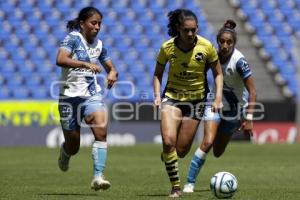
x,y
99,154
196,165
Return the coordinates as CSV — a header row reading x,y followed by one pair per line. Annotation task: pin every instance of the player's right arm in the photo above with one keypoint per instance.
x,y
218,76
63,59
161,61
157,79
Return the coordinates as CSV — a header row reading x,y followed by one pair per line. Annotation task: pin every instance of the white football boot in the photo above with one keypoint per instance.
x,y
189,188
99,183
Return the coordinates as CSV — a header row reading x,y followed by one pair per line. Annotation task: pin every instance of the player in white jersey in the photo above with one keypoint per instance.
x,y
79,55
239,97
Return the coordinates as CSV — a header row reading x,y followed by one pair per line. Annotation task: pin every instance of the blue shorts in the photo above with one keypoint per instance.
x,y
228,121
73,109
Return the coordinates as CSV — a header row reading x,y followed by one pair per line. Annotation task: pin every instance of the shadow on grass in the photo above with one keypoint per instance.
x,y
202,190
67,194
152,195
166,194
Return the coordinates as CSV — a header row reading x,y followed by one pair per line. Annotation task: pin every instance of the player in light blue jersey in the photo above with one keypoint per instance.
x,y
79,55
239,97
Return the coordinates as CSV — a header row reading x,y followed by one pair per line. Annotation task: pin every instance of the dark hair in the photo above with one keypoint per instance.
x,y
228,26
83,15
176,18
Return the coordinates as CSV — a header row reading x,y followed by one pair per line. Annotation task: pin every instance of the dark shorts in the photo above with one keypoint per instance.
x,y
191,109
229,121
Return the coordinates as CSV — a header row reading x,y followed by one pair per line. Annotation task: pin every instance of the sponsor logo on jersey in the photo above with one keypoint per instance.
x,y
94,52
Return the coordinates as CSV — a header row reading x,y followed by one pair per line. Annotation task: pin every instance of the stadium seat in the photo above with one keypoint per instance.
x,y
33,80
2,79
39,92
20,92
5,93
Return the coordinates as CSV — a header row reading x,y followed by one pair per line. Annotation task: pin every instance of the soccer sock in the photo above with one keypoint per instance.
x,y
171,163
99,154
196,165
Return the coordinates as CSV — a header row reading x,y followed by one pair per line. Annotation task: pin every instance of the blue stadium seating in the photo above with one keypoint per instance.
x,y
133,31
275,21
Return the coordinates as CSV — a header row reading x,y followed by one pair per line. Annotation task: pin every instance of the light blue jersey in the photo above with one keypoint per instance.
x,y
235,94
81,81
79,91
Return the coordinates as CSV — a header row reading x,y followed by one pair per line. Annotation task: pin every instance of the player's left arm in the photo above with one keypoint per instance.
x,y
112,74
245,72
248,120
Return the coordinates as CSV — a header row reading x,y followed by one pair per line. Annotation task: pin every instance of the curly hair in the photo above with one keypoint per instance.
x,y
176,18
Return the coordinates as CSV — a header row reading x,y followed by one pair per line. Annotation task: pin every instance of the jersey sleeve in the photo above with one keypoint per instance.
x,y
70,42
162,56
243,68
103,56
212,54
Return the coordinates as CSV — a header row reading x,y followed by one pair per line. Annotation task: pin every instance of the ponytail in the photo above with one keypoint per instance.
x,y
73,25
229,27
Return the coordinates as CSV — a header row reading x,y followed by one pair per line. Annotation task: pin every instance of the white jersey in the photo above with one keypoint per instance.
x,y
235,94
81,81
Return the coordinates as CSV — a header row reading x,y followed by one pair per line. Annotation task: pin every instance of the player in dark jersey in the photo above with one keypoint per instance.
x,y
183,100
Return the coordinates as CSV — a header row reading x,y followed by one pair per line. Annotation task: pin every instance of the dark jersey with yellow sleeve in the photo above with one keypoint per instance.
x,y
187,70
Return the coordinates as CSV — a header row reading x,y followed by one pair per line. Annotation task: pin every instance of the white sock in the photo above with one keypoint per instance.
x,y
200,154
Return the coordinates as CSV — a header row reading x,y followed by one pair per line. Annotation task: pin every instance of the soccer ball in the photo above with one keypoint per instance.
x,y
223,185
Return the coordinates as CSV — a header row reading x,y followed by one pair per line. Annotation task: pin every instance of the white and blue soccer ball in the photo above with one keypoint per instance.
x,y
223,185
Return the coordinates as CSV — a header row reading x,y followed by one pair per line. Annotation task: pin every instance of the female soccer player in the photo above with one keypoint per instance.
x,y
239,97
182,103
79,56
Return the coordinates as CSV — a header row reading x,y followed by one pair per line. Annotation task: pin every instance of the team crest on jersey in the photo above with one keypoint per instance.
x,y
199,56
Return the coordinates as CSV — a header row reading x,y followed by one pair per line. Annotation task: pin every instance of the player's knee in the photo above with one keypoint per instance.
x,y
181,152
168,142
206,145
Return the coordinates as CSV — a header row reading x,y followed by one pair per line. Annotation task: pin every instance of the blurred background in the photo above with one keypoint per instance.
x,y
133,30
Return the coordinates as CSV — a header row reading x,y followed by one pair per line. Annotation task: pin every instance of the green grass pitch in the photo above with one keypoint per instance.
x,y
263,172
